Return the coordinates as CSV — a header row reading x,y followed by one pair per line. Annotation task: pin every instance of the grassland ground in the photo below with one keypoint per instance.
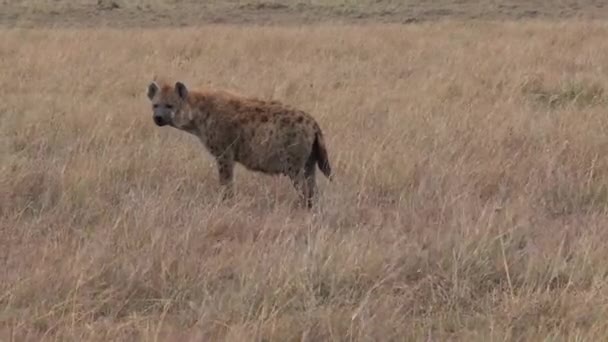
x,y
469,203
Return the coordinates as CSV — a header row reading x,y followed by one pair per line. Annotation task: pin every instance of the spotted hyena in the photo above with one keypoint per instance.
x,y
263,136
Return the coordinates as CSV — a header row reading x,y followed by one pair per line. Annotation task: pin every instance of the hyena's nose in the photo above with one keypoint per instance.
x,y
158,120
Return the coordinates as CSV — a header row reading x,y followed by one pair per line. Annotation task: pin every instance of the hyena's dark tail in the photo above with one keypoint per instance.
x,y
320,152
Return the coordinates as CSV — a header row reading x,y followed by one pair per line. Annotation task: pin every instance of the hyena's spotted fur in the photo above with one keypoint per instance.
x,y
264,136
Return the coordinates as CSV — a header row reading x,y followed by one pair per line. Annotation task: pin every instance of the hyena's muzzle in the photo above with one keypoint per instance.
x,y
162,114
159,121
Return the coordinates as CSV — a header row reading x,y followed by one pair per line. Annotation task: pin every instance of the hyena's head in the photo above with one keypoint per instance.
x,y
169,104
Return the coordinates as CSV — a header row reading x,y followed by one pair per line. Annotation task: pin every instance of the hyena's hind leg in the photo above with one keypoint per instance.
x,y
310,180
305,183
225,165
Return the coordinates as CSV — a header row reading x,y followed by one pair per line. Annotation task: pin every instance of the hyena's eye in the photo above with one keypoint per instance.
x,y
169,106
155,105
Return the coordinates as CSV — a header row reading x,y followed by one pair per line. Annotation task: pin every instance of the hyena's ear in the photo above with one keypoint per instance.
x,y
152,90
181,90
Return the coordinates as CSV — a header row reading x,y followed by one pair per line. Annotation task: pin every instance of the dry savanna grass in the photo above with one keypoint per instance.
x,y
469,202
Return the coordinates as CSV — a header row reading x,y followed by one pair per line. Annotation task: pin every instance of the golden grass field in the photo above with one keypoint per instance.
x,y
469,202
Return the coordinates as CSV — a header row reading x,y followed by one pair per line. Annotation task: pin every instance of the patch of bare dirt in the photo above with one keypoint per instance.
x,y
168,13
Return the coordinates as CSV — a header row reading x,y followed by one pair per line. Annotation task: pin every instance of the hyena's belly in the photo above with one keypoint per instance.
x,y
270,150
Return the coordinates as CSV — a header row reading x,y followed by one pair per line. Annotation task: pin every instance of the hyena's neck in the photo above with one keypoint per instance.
x,y
188,122
199,113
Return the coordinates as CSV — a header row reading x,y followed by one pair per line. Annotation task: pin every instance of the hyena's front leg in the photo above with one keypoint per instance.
x,y
225,166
